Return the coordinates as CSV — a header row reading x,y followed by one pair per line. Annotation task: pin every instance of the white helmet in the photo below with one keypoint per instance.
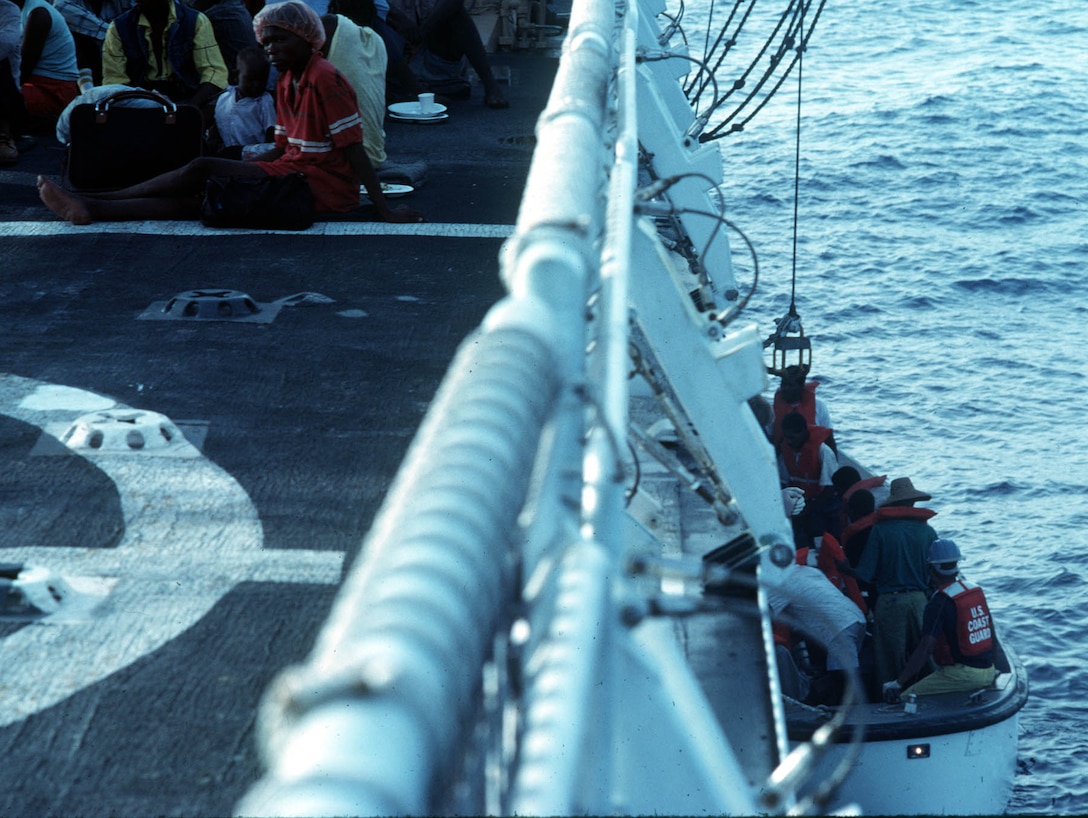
x,y
943,556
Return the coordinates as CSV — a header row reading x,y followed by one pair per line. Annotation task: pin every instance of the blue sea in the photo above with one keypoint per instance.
x,y
942,272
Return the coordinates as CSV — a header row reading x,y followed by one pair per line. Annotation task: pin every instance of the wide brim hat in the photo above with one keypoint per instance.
x,y
902,490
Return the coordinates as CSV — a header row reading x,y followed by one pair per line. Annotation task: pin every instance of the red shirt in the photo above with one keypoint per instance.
x,y
314,123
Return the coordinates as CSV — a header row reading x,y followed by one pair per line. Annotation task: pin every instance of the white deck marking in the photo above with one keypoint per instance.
x,y
193,228
191,535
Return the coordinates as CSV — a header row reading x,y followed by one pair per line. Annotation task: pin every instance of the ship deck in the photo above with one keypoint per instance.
x,y
199,575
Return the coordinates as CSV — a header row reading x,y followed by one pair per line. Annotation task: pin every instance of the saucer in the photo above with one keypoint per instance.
x,y
412,110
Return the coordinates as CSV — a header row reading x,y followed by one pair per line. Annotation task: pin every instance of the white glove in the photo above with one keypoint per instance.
x,y
793,500
891,691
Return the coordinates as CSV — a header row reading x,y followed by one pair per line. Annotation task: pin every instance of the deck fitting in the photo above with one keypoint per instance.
x,y
216,305
212,304
33,592
122,431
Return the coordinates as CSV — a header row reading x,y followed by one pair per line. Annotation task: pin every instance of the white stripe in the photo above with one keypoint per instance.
x,y
159,583
302,143
195,228
346,122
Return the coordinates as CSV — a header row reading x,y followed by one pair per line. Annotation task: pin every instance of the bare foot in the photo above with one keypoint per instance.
x,y
64,204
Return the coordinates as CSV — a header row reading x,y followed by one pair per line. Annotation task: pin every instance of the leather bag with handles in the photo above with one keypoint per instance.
x,y
113,146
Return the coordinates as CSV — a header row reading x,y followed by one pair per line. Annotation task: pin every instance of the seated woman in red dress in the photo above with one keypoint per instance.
x,y
318,133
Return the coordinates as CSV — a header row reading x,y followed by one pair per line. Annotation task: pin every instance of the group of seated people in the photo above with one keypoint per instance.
x,y
874,586
209,54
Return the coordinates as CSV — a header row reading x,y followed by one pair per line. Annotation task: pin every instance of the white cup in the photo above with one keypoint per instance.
x,y
426,103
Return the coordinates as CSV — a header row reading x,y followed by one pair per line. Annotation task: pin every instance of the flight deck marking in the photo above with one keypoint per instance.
x,y
191,535
194,228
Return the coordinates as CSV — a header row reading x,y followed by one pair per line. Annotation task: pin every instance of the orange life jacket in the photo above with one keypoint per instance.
x,y
806,407
865,483
974,627
885,513
904,513
827,560
803,466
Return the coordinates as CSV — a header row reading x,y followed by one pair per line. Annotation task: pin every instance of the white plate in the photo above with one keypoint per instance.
x,y
389,191
420,120
411,109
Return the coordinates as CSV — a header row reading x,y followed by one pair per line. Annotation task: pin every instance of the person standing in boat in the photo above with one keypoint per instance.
x,y
895,562
807,602
957,632
795,394
860,519
848,482
806,461
826,554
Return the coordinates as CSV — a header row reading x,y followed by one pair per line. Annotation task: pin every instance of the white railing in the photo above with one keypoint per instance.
x,y
488,652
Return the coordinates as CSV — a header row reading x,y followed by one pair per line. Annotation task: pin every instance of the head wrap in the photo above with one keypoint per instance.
x,y
294,16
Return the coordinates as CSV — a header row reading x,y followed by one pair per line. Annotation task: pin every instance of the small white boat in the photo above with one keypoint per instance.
x,y
950,754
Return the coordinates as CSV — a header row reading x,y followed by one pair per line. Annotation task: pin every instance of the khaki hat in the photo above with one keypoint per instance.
x,y
903,491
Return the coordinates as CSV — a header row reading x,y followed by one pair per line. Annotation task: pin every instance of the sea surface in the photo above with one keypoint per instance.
x,y
942,272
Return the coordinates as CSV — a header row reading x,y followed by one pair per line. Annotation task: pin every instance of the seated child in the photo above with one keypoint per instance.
x,y
245,114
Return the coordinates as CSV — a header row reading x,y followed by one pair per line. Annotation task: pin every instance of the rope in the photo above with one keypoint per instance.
x,y
788,39
709,50
791,29
797,169
732,41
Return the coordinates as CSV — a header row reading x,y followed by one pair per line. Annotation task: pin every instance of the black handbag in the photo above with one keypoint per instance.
x,y
264,202
112,146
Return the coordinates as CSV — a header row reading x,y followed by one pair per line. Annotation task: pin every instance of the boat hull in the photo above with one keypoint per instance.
x,y
954,755
965,773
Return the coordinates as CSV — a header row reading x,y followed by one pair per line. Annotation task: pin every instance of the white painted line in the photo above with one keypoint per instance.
x,y
191,535
175,228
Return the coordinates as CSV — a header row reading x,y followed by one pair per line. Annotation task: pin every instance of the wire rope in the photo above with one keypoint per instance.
x,y
797,32
797,169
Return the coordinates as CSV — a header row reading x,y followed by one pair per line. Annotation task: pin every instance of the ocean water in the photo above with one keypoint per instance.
x,y
942,272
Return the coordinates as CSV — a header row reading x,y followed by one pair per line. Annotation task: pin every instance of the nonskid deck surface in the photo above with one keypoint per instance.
x,y
202,569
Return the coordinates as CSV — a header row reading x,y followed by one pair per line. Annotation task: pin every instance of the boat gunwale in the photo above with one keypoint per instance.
x,y
946,713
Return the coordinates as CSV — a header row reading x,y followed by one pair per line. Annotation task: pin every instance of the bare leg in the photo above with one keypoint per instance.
x,y
457,35
465,34
84,210
170,195
187,180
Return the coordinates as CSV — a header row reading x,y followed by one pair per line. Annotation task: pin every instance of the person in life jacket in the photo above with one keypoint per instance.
x,y
795,394
894,562
957,632
807,462
848,482
165,46
833,627
827,555
861,517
